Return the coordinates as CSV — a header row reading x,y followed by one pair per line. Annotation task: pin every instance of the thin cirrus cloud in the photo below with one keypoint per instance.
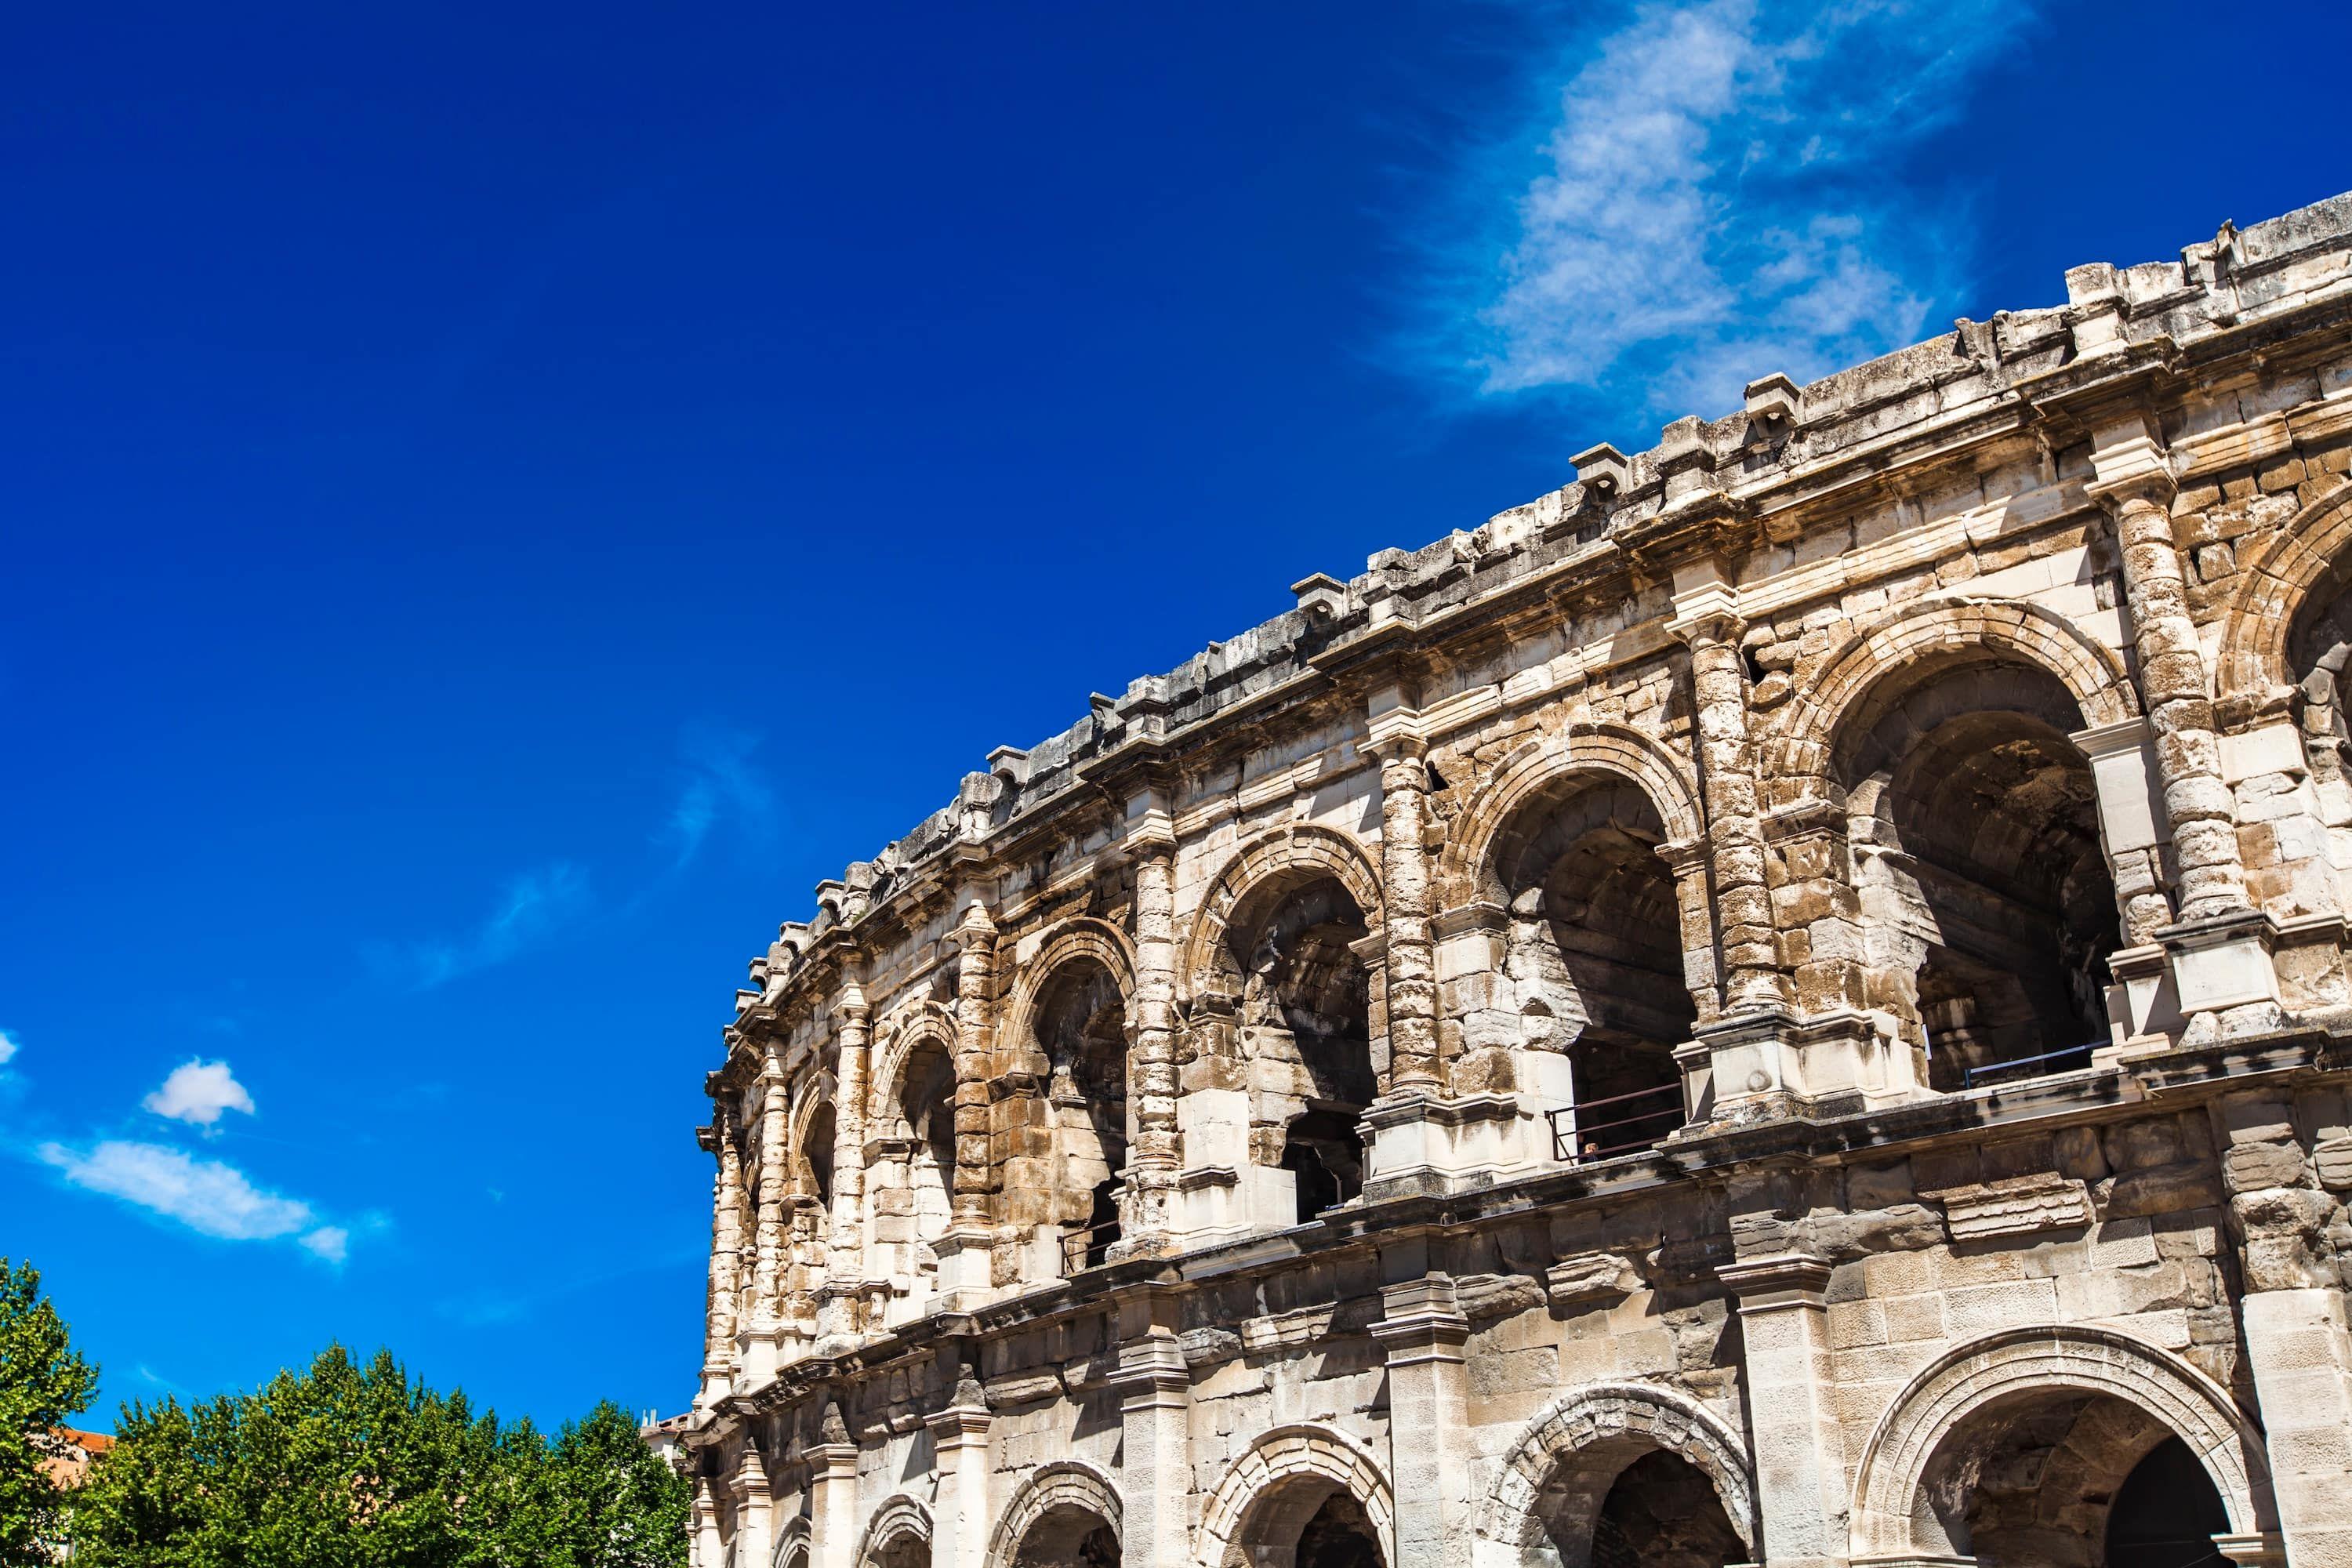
x,y
198,1092
1707,192
211,1197
530,909
720,781
717,784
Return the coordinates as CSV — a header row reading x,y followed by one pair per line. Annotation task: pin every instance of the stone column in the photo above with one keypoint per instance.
x,y
1155,1389
1155,1153
725,1258
769,1240
755,1510
709,1548
833,1507
977,936
960,1514
1422,1333
1801,1484
2219,946
964,1249
2177,693
845,1259
2294,1319
1704,620
1411,964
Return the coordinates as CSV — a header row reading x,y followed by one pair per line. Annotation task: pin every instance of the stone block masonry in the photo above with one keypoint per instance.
x,y
1785,1002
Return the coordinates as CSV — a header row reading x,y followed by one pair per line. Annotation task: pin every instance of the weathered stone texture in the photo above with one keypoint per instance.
x,y
1786,1001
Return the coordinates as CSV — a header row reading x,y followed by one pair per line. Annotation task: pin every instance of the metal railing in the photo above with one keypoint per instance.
x,y
1972,1076
1577,1140
1088,1247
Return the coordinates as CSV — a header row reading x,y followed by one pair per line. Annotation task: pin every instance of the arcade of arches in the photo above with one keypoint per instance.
x,y
1785,1002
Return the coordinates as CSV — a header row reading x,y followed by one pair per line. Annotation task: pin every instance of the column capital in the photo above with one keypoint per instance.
x,y
1422,1321
832,1461
2130,467
1777,1280
976,928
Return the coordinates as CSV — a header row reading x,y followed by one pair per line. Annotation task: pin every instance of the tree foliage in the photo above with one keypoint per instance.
x,y
42,1383
356,1466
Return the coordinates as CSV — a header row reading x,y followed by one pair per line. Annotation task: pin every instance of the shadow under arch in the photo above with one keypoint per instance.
x,y
898,1536
1556,1477
1276,1489
1907,1504
1058,1498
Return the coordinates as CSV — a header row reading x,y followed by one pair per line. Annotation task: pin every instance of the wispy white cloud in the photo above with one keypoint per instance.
x,y
7,1047
209,1196
1711,192
530,909
198,1092
719,781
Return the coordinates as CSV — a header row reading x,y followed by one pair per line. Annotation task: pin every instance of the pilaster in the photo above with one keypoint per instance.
x,y
1801,1485
760,1342
845,1261
960,1521
832,1508
1155,1389
1156,1156
964,1251
725,1258
1422,1332
755,1508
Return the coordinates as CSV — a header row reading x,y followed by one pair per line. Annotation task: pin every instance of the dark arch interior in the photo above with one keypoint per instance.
x,y
1975,826
1081,1030
817,1153
1595,955
1662,1512
1067,1536
925,1108
2057,1478
2319,645
904,1551
2166,1513
1339,1535
1305,996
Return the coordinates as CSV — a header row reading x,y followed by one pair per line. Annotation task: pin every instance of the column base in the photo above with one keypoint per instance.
x,y
2223,974
1418,1143
1773,1064
2262,1549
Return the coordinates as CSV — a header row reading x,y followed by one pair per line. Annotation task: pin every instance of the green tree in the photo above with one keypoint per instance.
x,y
348,1466
42,1381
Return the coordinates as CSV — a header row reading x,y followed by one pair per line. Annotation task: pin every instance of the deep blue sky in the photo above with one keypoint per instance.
x,y
499,502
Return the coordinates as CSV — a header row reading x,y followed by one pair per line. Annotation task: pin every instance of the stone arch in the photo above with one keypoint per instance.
x,y
1586,1437
1889,1481
1084,937
2272,587
812,1165
1299,851
793,1547
899,1519
895,1043
1286,1453
1616,751
1061,1484
1805,736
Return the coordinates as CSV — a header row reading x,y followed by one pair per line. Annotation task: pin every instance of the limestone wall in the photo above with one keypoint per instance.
x,y
1805,969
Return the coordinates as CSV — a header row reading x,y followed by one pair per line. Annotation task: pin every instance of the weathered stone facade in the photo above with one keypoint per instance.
x,y
1786,1001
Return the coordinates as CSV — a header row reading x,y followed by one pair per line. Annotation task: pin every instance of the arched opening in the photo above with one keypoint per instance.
x,y
1662,1512
1074,1144
1068,1536
914,1173
1623,1501
1306,1032
902,1551
1305,1521
1989,907
2064,1479
1594,960
816,1155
